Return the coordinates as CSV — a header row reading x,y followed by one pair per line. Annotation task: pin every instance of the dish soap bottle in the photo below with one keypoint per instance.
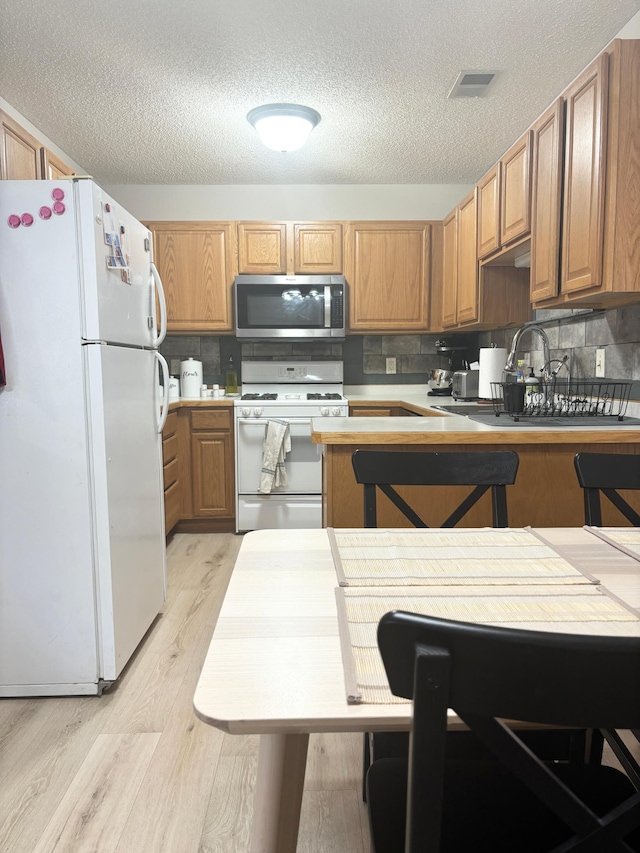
x,y
231,386
531,382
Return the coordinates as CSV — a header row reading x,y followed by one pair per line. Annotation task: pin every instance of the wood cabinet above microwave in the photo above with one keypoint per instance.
x,y
289,248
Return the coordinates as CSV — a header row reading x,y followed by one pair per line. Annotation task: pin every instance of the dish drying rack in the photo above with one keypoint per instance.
x,y
584,398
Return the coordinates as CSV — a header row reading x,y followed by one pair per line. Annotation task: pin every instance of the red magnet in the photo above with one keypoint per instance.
x,y
45,212
57,194
58,208
13,221
27,219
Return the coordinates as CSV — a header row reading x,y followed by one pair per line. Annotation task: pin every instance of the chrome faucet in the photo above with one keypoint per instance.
x,y
546,354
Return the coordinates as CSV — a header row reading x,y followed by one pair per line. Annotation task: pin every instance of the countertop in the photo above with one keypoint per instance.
x,y
202,402
449,428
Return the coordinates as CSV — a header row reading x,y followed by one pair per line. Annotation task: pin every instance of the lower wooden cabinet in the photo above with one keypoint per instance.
x,y
212,464
172,480
199,475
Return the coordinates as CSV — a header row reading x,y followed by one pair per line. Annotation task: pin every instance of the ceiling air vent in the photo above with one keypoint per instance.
x,y
472,84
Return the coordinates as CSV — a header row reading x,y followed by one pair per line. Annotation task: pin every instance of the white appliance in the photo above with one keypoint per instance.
x,y
295,392
82,546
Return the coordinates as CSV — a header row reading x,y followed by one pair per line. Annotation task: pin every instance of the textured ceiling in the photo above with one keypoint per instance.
x,y
156,92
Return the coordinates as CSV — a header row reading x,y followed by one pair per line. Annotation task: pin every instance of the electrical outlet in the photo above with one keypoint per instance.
x,y
600,362
174,367
391,365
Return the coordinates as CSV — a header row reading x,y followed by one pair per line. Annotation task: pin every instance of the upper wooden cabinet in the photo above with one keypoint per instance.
x,y
53,167
546,202
262,248
491,295
515,191
467,274
289,248
583,216
599,255
504,199
387,266
489,213
317,247
450,270
20,153
197,265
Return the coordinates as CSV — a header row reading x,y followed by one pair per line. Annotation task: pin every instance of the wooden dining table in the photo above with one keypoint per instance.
x,y
275,665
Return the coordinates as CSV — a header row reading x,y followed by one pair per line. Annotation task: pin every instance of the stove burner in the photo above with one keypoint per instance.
x,y
259,397
324,396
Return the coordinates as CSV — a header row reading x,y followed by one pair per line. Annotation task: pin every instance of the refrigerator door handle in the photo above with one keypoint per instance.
x,y
163,305
165,385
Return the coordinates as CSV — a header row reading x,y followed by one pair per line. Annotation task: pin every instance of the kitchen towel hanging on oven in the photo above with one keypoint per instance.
x,y
277,443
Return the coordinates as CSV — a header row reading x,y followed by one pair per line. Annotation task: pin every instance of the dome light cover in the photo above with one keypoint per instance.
x,y
283,127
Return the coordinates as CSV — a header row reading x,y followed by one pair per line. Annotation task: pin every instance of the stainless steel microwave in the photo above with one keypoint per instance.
x,y
290,307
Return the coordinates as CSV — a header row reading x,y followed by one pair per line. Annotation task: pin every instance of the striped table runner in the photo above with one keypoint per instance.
x,y
585,609
626,539
426,557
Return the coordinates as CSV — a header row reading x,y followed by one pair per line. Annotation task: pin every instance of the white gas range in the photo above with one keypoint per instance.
x,y
294,392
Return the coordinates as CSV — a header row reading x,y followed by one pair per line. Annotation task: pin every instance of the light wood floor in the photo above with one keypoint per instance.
x,y
134,771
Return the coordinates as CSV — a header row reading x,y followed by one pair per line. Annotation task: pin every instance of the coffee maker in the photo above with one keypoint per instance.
x,y
452,358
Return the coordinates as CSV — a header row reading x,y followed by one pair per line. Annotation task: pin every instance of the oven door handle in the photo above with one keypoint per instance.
x,y
263,421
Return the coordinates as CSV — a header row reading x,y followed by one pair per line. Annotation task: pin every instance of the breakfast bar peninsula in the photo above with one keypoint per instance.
x,y
546,492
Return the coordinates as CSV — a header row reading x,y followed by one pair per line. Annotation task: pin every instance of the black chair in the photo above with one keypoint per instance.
x,y
606,473
515,802
385,469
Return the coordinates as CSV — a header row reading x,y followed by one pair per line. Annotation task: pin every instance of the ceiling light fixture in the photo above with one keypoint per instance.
x,y
283,127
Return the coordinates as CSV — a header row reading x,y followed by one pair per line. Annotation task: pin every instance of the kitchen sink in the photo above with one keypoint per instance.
x,y
486,415
560,422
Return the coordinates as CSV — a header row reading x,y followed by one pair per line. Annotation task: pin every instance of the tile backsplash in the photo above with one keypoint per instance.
x,y
578,333
573,332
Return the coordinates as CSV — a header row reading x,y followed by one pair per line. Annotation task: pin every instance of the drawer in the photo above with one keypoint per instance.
x,y
171,425
211,419
169,449
368,412
172,506
170,473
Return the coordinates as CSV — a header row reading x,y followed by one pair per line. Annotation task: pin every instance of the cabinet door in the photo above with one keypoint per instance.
x,y
20,153
317,247
262,248
387,267
54,168
196,263
212,474
583,216
546,202
515,191
467,290
450,270
489,212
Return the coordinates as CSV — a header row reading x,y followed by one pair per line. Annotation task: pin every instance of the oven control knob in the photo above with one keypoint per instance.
x,y
335,410
324,411
257,412
246,411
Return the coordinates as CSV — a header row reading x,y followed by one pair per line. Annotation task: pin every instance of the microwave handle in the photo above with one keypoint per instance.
x,y
327,306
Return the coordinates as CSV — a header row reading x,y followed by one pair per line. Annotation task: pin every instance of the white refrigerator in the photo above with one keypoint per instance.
x,y
82,542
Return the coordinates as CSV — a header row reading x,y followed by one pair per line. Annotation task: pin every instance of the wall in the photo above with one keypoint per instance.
x,y
364,356
292,202
578,333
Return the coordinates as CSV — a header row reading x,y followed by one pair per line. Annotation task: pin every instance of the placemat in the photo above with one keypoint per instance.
x,y
587,609
626,539
426,557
